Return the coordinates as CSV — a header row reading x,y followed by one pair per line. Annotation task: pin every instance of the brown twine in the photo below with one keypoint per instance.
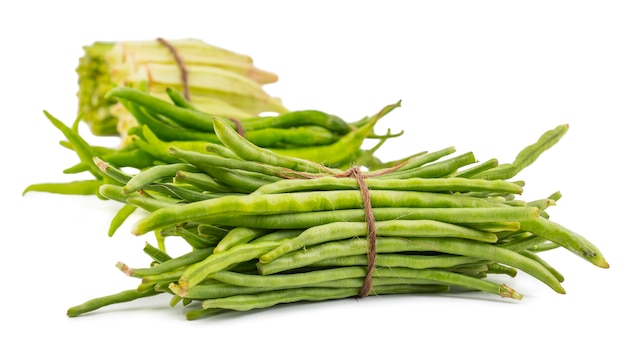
x,y
181,66
184,78
356,173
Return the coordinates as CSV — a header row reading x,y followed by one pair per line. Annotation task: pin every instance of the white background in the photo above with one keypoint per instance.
x,y
483,76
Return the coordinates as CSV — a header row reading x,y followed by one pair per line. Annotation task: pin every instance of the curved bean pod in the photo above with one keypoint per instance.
x,y
398,228
411,184
300,202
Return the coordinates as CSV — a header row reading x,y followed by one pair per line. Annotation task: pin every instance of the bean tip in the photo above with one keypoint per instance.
x,y
179,289
125,268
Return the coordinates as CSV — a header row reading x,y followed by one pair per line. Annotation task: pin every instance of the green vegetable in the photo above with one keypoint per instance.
x,y
217,80
290,230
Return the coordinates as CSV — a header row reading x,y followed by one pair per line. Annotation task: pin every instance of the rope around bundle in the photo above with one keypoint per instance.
x,y
184,78
356,173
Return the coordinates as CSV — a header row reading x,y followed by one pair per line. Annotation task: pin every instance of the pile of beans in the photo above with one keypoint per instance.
x,y
266,228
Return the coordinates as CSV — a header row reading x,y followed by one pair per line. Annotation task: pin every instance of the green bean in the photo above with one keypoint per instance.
x,y
156,151
163,147
215,262
97,303
178,98
542,204
568,239
384,245
268,299
196,314
343,150
166,130
220,150
76,169
527,156
249,151
182,193
289,280
395,164
433,170
213,231
113,192
80,187
412,184
545,246
83,150
179,192
278,235
213,289
239,235
366,158
290,137
300,202
202,181
164,277
537,258
399,260
451,279
149,204
184,116
217,290
155,253
299,118
471,171
422,159
115,174
303,220
155,173
195,240
122,215
240,180
169,265
208,163
494,226
135,158
399,228
496,268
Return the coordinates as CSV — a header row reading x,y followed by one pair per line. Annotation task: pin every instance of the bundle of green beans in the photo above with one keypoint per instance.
x,y
309,134
266,229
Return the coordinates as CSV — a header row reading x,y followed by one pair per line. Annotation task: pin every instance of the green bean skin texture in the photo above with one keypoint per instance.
x,y
82,187
187,117
207,163
391,260
155,173
302,136
344,230
568,239
300,202
436,169
339,152
412,184
97,303
299,118
196,273
169,265
167,131
249,151
237,236
303,220
385,245
268,299
527,156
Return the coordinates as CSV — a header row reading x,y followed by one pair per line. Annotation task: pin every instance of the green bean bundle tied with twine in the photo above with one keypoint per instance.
x,y
281,229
